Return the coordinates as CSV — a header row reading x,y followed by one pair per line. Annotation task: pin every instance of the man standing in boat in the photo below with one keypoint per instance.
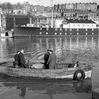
x,y
22,62
52,60
16,59
46,57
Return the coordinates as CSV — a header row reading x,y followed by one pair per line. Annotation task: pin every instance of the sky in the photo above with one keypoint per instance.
x,y
46,2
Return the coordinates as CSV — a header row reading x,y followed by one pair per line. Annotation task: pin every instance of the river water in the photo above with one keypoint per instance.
x,y
64,47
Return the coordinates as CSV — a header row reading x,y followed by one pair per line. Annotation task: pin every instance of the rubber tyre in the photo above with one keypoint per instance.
x,y
75,77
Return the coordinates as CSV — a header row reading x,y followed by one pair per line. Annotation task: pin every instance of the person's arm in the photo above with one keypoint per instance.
x,y
49,59
22,59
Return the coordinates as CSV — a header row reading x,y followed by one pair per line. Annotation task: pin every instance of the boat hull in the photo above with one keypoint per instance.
x,y
43,73
37,31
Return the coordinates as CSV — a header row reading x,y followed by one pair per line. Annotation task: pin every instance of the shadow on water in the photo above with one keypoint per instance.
x,y
95,95
46,87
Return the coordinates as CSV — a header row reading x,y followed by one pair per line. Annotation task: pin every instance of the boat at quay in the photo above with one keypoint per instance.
x,y
69,27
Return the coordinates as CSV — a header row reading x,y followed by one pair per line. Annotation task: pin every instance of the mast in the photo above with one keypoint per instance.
x,y
0,22
30,20
52,13
14,21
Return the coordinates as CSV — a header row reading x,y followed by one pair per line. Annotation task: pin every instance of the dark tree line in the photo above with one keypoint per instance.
x,y
6,5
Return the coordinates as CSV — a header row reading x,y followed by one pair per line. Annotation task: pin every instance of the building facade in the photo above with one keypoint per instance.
x,y
76,6
80,24
76,10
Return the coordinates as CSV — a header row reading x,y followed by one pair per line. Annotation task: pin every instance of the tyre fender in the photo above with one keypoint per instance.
x,y
77,73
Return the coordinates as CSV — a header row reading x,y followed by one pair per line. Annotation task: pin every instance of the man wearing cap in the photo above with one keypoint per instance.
x,y
52,60
16,59
22,62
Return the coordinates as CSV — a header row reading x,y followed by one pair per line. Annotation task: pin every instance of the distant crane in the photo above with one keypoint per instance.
x,y
52,13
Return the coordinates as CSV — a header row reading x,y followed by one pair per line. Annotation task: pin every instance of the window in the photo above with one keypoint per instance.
x,y
78,25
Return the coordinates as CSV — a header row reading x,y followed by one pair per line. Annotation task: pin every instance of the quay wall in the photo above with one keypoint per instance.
x,y
31,31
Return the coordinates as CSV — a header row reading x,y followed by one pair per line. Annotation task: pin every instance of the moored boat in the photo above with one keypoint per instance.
x,y
69,28
6,34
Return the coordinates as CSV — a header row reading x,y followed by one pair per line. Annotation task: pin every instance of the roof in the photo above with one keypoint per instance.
x,y
40,16
17,16
79,21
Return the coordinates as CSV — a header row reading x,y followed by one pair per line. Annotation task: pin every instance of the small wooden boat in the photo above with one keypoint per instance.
x,y
6,34
71,72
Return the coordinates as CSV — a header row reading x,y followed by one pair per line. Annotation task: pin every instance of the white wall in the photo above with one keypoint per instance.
x,y
96,20
58,22
80,25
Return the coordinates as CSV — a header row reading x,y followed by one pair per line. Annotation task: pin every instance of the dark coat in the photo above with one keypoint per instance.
x,y
46,57
16,58
52,61
22,62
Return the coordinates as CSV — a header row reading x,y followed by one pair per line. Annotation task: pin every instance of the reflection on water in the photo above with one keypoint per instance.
x,y
37,45
44,89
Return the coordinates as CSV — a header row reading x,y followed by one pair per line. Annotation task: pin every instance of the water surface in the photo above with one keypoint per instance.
x,y
64,47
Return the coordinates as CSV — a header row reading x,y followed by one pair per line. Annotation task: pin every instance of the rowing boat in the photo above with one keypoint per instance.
x,y
80,72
